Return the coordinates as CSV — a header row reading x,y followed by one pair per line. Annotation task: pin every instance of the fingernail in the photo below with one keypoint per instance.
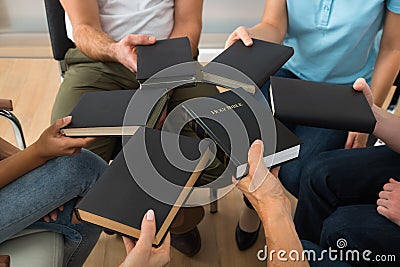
x,y
257,142
359,82
150,215
247,42
67,119
151,38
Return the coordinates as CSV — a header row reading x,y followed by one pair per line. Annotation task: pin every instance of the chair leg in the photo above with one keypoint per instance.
x,y
214,201
19,135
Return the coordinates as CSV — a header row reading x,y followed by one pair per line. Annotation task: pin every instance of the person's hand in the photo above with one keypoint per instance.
x,y
125,50
52,143
143,254
260,186
361,85
359,140
356,140
389,201
241,33
53,215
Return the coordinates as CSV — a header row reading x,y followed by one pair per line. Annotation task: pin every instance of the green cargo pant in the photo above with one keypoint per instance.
x,y
83,74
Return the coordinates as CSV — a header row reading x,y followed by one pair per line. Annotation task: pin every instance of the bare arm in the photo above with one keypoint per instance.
x,y
94,42
7,149
188,21
272,27
266,194
51,144
387,128
388,61
387,125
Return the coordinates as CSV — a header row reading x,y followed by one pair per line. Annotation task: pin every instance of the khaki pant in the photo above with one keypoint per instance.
x,y
86,75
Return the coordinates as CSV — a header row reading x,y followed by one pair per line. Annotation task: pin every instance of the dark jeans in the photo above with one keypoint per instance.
x,y
315,141
337,199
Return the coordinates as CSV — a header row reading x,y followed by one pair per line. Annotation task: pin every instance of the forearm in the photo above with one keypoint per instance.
x,y
7,149
387,128
192,31
19,164
267,32
385,72
281,235
95,43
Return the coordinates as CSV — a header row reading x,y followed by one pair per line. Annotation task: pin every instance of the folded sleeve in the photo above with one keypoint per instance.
x,y
393,5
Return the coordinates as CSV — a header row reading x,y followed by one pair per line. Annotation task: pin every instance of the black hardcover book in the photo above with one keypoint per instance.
x,y
321,105
234,122
103,113
152,59
258,62
118,200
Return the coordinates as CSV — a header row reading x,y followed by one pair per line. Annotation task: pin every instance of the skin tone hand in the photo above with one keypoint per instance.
x,y
90,38
389,201
359,140
266,194
241,33
142,254
52,143
124,51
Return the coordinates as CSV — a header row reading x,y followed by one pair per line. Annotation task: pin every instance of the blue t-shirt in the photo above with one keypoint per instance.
x,y
334,40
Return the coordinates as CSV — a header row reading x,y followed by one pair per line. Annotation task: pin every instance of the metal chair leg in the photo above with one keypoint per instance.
x,y
214,201
19,135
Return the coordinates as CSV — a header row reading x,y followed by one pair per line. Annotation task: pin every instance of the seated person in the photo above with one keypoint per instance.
x,y
106,34
51,173
327,49
355,194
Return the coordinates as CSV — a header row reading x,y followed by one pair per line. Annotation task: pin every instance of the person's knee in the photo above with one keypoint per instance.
x,y
81,169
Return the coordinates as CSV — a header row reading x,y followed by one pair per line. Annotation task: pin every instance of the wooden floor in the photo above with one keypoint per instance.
x,y
32,85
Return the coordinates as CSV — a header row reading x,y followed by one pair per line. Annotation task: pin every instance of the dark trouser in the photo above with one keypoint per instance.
x,y
86,75
337,199
315,141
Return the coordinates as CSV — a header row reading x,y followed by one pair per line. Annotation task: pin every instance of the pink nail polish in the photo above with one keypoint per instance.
x,y
150,215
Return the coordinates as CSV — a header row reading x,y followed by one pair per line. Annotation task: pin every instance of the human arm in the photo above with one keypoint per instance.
x,y
142,253
387,125
388,62
266,194
385,72
50,144
272,27
188,21
90,38
7,149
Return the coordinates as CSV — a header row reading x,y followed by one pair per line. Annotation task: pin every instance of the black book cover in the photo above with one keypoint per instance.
x,y
234,122
118,202
103,113
258,62
152,59
321,105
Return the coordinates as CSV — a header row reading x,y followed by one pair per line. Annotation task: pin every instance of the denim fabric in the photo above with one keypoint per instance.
x,y
338,195
24,202
321,259
315,141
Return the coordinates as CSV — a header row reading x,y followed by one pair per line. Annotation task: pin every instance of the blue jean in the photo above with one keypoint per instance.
x,y
315,141
25,201
321,260
337,199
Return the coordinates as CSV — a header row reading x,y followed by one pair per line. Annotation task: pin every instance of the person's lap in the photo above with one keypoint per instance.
x,y
24,202
315,141
363,229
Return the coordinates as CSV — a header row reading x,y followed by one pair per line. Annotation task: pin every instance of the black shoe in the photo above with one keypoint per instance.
x,y
188,243
245,240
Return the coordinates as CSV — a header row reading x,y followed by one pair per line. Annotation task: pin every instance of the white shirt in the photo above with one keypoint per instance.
x,y
121,17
